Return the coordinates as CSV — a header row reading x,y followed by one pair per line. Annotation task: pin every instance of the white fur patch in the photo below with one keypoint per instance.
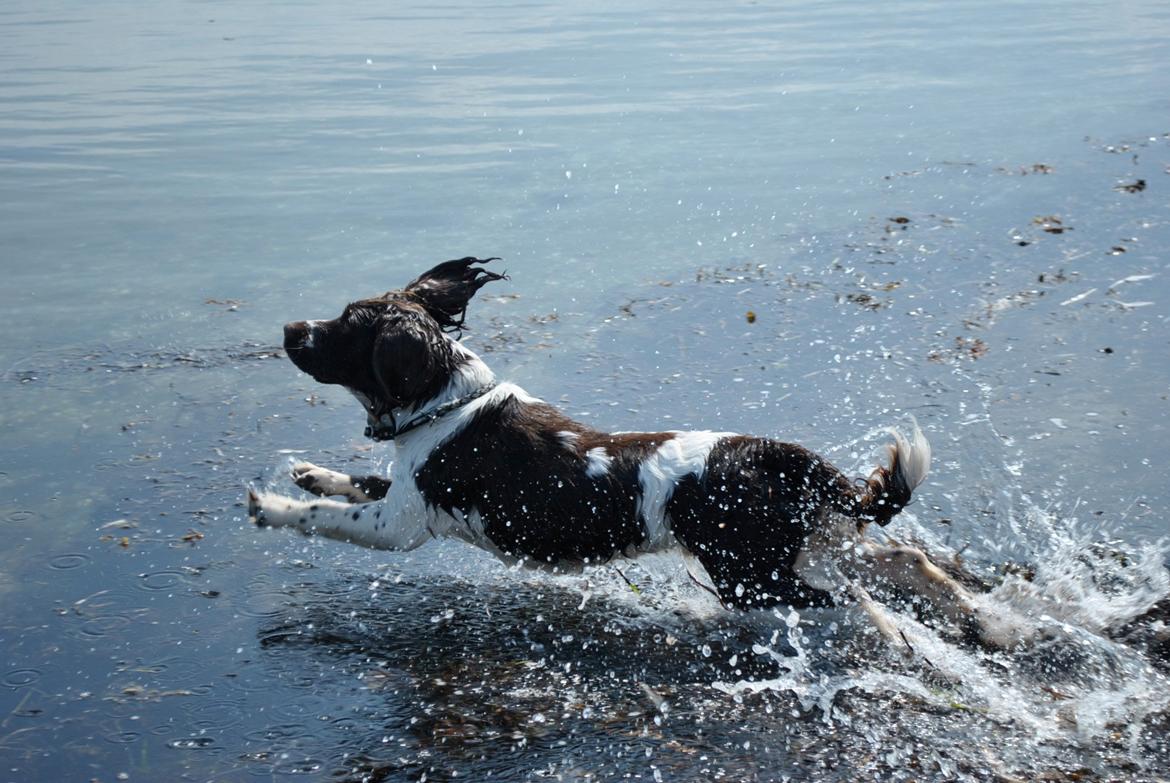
x,y
414,448
399,523
684,454
597,462
570,439
311,333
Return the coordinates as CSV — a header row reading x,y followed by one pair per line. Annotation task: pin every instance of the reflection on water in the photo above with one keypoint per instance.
x,y
927,210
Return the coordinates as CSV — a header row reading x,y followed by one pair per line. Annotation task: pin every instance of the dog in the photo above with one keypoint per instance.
x,y
759,522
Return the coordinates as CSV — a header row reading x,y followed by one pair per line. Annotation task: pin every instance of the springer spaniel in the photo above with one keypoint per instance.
x,y
758,522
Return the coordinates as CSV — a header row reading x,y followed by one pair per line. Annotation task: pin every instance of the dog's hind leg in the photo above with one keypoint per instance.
x,y
322,481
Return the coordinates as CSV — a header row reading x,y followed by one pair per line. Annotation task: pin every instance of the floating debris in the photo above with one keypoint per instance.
x,y
60,363
965,347
1078,297
1130,279
751,316
867,301
1052,224
1023,171
972,347
136,692
1058,277
1132,187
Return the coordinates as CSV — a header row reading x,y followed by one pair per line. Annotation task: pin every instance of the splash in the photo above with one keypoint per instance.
x,y
1084,580
1077,684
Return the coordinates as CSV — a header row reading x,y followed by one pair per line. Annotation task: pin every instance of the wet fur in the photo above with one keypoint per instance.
x,y
760,522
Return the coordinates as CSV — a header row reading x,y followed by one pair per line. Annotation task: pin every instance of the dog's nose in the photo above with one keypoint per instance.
x,y
297,334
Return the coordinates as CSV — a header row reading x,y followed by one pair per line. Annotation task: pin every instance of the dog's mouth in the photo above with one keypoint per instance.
x,y
302,357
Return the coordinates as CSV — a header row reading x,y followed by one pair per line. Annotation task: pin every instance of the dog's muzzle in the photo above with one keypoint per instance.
x,y
297,335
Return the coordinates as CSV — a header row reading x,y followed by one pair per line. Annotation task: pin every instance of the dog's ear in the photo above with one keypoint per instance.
x,y
407,360
445,290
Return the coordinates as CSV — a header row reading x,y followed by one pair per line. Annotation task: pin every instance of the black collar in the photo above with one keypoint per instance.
x,y
386,428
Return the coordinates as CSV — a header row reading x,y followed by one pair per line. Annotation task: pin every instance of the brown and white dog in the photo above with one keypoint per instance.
x,y
759,522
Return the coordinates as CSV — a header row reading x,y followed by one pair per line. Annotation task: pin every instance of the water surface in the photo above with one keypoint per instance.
x,y
924,206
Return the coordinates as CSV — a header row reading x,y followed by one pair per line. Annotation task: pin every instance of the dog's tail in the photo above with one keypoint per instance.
x,y
888,489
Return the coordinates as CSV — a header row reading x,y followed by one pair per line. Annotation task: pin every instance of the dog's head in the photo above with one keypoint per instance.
x,y
392,351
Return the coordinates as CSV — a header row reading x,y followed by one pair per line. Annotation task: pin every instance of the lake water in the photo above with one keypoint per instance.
x,y
953,210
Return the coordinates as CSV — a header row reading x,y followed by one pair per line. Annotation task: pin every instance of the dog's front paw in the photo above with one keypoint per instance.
x,y
320,481
255,509
266,509
310,477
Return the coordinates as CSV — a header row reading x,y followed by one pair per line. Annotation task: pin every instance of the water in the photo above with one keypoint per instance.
x,y
179,179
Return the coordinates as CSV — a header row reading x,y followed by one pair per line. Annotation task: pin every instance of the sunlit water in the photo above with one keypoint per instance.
x,y
928,209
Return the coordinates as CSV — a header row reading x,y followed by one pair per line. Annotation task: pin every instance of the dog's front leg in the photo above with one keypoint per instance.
x,y
322,481
384,524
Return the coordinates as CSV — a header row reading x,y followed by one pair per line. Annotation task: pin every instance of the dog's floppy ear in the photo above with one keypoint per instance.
x,y
406,360
445,290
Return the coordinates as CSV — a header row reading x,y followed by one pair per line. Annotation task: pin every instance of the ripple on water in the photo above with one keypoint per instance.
x,y
21,678
69,561
161,580
310,706
21,515
266,602
103,625
178,669
104,613
278,735
216,714
123,737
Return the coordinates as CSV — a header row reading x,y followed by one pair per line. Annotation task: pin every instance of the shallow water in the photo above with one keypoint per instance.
x,y
880,186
